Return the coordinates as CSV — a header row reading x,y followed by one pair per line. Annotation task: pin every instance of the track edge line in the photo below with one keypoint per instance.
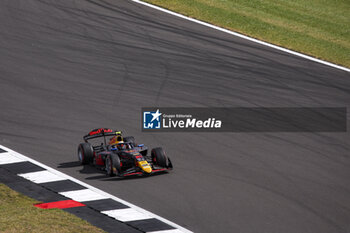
x,y
244,36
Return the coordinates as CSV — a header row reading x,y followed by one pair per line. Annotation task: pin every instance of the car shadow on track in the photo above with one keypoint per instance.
x,y
85,169
100,174
69,164
116,178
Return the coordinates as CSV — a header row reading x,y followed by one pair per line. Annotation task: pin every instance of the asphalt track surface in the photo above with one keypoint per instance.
x,y
69,66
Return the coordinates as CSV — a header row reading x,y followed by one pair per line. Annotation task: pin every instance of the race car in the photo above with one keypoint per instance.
x,y
121,156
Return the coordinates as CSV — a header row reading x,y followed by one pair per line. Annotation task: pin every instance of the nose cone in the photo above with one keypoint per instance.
x,y
144,165
147,169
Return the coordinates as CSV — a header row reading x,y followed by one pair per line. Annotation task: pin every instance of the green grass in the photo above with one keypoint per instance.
x,y
320,28
17,214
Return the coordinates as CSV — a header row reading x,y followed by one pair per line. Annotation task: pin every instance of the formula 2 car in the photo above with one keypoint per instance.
x,y
121,156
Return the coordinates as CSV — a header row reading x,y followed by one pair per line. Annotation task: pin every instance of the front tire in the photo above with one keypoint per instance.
x,y
85,153
112,165
159,158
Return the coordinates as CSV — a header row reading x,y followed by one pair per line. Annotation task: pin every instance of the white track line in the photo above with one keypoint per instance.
x,y
107,195
42,177
243,36
83,195
126,215
6,158
166,231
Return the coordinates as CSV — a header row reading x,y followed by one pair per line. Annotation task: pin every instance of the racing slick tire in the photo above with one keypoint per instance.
x,y
85,153
112,165
158,157
131,140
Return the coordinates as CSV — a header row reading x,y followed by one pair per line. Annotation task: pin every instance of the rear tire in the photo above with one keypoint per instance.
x,y
85,153
112,165
159,158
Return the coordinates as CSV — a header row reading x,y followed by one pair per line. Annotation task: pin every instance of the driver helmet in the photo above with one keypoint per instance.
x,y
121,145
115,140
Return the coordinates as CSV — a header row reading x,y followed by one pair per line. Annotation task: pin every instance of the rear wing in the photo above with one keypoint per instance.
x,y
101,132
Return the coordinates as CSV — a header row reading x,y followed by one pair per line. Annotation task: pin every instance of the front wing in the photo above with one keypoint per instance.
x,y
135,171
